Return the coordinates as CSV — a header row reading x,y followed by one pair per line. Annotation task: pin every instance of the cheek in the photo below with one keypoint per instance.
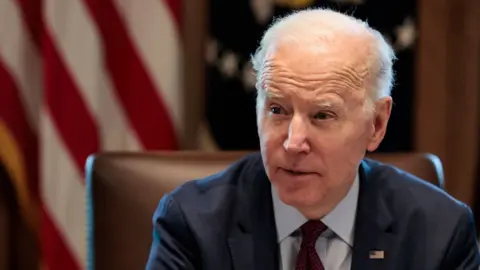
x,y
340,148
271,134
330,141
341,137
272,138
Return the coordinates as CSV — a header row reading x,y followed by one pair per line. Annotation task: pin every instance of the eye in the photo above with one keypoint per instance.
x,y
323,116
275,109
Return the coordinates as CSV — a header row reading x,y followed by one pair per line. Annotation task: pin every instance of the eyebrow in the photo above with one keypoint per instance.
x,y
323,103
326,104
271,94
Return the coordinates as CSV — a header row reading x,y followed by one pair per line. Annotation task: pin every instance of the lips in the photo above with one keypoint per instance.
x,y
297,173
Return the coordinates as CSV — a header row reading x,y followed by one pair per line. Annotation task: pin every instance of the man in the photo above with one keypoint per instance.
x,y
311,200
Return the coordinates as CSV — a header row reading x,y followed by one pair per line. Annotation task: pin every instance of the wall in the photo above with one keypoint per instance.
x,y
447,89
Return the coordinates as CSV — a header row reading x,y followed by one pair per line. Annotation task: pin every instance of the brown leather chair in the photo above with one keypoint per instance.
x,y
123,191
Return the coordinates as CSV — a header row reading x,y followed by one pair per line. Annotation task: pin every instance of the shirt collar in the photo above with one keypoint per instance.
x,y
341,220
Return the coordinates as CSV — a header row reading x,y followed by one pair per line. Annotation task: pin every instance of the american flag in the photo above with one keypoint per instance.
x,y
78,77
376,254
235,30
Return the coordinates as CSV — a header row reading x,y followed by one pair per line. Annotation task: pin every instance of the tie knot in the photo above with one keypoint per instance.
x,y
311,230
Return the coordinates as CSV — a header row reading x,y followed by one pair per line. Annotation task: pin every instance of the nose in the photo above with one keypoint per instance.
x,y
296,141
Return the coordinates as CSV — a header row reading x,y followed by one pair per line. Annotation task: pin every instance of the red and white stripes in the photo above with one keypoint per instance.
x,y
20,97
89,76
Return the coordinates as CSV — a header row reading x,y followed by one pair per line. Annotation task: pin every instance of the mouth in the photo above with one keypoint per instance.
x,y
297,173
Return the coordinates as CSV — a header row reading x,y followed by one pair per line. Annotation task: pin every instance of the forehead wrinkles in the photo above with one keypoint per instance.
x,y
332,74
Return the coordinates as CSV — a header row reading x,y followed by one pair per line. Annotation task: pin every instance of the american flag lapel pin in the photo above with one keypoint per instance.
x,y
376,254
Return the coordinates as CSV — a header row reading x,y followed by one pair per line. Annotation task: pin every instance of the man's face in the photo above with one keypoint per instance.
x,y
315,123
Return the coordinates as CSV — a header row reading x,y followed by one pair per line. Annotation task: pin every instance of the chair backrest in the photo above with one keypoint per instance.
x,y
123,191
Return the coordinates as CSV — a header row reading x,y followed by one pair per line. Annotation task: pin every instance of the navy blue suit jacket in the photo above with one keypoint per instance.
x,y
226,221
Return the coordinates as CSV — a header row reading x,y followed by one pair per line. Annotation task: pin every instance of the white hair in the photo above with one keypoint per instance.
x,y
312,28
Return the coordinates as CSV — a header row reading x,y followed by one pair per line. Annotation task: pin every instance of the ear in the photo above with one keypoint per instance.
x,y
383,109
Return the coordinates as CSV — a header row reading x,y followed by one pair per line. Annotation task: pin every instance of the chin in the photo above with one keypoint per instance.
x,y
300,197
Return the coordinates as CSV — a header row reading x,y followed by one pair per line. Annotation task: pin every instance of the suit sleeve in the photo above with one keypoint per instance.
x,y
463,252
173,246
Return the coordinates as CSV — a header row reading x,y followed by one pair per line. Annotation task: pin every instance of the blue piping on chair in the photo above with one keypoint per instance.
x,y
90,263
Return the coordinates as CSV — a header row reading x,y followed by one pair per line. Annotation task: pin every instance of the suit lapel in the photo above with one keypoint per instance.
x,y
253,241
375,245
241,249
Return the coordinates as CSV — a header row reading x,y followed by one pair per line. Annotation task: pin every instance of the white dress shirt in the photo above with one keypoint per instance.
x,y
334,246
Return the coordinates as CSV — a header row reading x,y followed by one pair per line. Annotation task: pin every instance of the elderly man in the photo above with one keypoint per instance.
x,y
311,200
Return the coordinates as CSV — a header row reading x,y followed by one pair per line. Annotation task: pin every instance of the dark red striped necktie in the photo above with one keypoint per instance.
x,y
307,258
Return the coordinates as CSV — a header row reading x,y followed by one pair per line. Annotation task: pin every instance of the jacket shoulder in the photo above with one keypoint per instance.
x,y
408,194
213,198
237,175
193,220
408,187
426,217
